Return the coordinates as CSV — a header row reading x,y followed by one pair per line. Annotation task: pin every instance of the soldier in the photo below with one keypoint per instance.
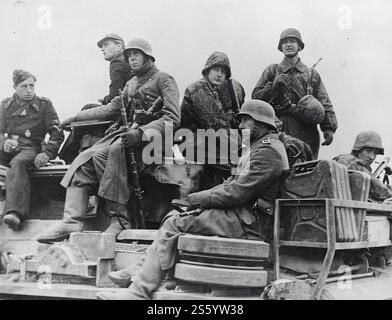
x,y
112,46
25,119
102,169
213,103
366,147
208,102
297,94
225,210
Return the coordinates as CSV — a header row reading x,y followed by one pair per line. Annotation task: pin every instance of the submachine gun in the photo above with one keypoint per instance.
x,y
138,116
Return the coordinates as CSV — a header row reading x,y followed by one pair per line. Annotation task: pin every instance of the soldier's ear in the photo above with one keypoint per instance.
x,y
14,86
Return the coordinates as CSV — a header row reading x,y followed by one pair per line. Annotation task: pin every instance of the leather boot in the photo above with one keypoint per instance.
x,y
124,277
76,202
120,218
145,282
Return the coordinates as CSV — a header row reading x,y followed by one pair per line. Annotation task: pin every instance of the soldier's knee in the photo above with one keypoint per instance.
x,y
170,217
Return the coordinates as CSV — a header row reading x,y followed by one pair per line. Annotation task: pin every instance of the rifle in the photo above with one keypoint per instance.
x,y
132,167
233,96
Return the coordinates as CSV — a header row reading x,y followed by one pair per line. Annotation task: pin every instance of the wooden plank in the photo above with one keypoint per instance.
x,y
138,234
181,295
223,277
223,246
339,245
337,203
55,290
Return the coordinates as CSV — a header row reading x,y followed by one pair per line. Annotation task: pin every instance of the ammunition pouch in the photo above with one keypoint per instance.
x,y
143,117
264,212
264,207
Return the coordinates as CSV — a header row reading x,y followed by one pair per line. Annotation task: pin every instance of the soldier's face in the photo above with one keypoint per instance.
x,y
25,89
290,47
248,127
136,59
216,75
110,49
368,155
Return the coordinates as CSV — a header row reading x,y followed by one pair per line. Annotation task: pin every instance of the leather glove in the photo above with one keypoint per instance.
x,y
10,146
280,82
67,122
328,136
41,160
132,137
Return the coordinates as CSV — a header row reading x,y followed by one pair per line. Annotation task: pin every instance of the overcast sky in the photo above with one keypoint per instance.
x,y
56,40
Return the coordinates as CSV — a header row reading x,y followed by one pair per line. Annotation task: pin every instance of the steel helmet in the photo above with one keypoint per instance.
x,y
290,33
141,45
370,139
310,110
260,111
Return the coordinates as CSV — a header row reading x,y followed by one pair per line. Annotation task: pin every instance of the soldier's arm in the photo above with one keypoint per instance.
x,y
320,93
264,168
171,106
263,89
240,92
56,135
2,124
188,117
117,81
105,112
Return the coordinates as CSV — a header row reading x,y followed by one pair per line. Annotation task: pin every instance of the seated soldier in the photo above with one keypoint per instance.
x,y
225,210
25,119
112,46
103,168
366,147
297,151
213,103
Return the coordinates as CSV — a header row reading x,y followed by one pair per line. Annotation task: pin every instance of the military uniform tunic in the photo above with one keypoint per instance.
x,y
28,122
103,167
300,77
120,73
228,208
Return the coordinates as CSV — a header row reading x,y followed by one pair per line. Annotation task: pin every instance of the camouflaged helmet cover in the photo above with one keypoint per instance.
x,y
310,110
260,111
217,59
369,139
290,33
141,45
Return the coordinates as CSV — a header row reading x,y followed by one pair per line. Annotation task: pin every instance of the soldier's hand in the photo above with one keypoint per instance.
x,y
280,82
328,136
132,137
41,159
10,146
67,122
